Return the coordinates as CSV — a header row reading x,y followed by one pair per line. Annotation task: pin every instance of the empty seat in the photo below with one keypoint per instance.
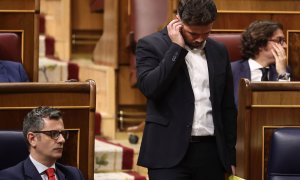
x,y
232,41
13,148
284,157
10,47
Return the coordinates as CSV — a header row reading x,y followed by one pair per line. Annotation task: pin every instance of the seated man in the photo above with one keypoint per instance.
x,y
12,72
43,129
264,58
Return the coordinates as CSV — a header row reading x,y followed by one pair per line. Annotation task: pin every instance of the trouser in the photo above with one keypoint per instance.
x,y
201,162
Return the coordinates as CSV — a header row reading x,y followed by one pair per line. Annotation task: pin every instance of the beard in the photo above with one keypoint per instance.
x,y
193,45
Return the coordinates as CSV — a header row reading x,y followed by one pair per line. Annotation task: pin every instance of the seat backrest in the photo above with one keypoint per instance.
x,y
13,148
284,156
232,41
10,47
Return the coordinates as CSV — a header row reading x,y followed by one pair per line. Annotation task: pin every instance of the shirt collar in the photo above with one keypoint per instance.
x,y
39,166
254,65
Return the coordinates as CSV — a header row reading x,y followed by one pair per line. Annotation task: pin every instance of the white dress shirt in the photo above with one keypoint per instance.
x,y
198,72
41,168
256,73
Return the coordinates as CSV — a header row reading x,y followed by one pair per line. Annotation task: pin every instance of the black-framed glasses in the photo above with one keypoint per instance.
x,y
279,40
54,134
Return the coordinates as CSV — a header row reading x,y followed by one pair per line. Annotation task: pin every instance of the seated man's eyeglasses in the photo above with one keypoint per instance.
x,y
54,134
279,40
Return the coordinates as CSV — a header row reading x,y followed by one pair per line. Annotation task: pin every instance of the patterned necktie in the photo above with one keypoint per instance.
x,y
50,173
264,76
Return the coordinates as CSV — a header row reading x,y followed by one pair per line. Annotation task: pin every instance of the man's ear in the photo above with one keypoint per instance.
x,y
178,17
32,139
265,48
262,48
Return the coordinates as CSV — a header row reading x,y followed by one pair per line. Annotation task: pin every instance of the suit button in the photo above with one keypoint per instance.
x,y
174,58
188,126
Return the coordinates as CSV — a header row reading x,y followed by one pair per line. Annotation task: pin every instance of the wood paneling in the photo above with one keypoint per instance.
x,y
128,95
124,32
82,18
293,40
24,5
231,21
58,25
96,5
258,5
106,92
107,48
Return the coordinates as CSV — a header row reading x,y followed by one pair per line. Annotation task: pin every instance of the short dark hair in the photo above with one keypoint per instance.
x,y
256,36
33,121
197,12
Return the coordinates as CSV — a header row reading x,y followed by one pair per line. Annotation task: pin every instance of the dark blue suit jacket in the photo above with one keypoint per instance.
x,y
25,170
12,72
164,79
241,69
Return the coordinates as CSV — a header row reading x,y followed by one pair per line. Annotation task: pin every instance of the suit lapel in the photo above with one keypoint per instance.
x,y
210,58
30,171
273,74
59,174
245,70
186,71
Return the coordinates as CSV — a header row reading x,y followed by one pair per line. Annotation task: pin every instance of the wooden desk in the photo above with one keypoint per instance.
x,y
263,107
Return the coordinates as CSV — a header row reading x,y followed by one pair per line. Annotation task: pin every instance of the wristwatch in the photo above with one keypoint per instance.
x,y
284,76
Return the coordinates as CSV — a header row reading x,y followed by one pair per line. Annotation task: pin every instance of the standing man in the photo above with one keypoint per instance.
x,y
264,59
44,132
190,131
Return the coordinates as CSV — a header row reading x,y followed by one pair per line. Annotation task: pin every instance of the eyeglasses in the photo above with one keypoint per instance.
x,y
279,40
54,134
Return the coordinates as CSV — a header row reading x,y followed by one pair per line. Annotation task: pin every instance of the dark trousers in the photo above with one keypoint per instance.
x,y
201,162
